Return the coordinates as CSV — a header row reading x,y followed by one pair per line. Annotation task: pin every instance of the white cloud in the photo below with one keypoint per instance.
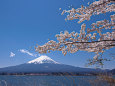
x,y
12,54
39,55
27,52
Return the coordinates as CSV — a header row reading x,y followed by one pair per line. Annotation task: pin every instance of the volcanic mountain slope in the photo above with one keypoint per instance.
x,y
45,64
112,71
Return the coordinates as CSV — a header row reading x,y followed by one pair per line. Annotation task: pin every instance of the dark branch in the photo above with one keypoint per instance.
x,y
89,42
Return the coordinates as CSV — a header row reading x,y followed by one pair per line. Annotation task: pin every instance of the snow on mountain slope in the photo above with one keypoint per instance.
x,y
43,59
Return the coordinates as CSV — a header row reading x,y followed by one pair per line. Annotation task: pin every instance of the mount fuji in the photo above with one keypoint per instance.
x,y
42,60
45,64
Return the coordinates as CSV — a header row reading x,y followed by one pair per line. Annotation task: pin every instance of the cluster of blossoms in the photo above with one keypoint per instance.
x,y
92,39
104,24
96,8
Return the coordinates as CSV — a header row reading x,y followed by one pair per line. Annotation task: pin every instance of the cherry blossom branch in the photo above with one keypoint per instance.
x,y
92,40
88,42
84,13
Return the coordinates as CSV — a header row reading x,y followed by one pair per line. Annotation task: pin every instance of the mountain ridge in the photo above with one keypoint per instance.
x,y
45,64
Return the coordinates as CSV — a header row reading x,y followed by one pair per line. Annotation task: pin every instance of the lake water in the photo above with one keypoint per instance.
x,y
8,80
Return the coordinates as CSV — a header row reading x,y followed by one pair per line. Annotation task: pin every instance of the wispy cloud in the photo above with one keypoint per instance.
x,y
12,54
27,52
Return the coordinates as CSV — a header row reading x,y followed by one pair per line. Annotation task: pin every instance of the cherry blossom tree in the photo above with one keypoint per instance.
x,y
97,39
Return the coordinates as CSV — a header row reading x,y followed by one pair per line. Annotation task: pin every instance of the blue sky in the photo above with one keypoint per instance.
x,y
25,23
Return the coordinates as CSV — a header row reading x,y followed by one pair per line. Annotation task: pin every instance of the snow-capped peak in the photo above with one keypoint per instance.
x,y
43,59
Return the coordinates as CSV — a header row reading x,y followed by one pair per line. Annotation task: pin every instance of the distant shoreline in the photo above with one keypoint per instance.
x,y
56,74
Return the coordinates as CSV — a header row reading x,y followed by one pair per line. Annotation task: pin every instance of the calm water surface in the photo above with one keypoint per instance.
x,y
8,80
